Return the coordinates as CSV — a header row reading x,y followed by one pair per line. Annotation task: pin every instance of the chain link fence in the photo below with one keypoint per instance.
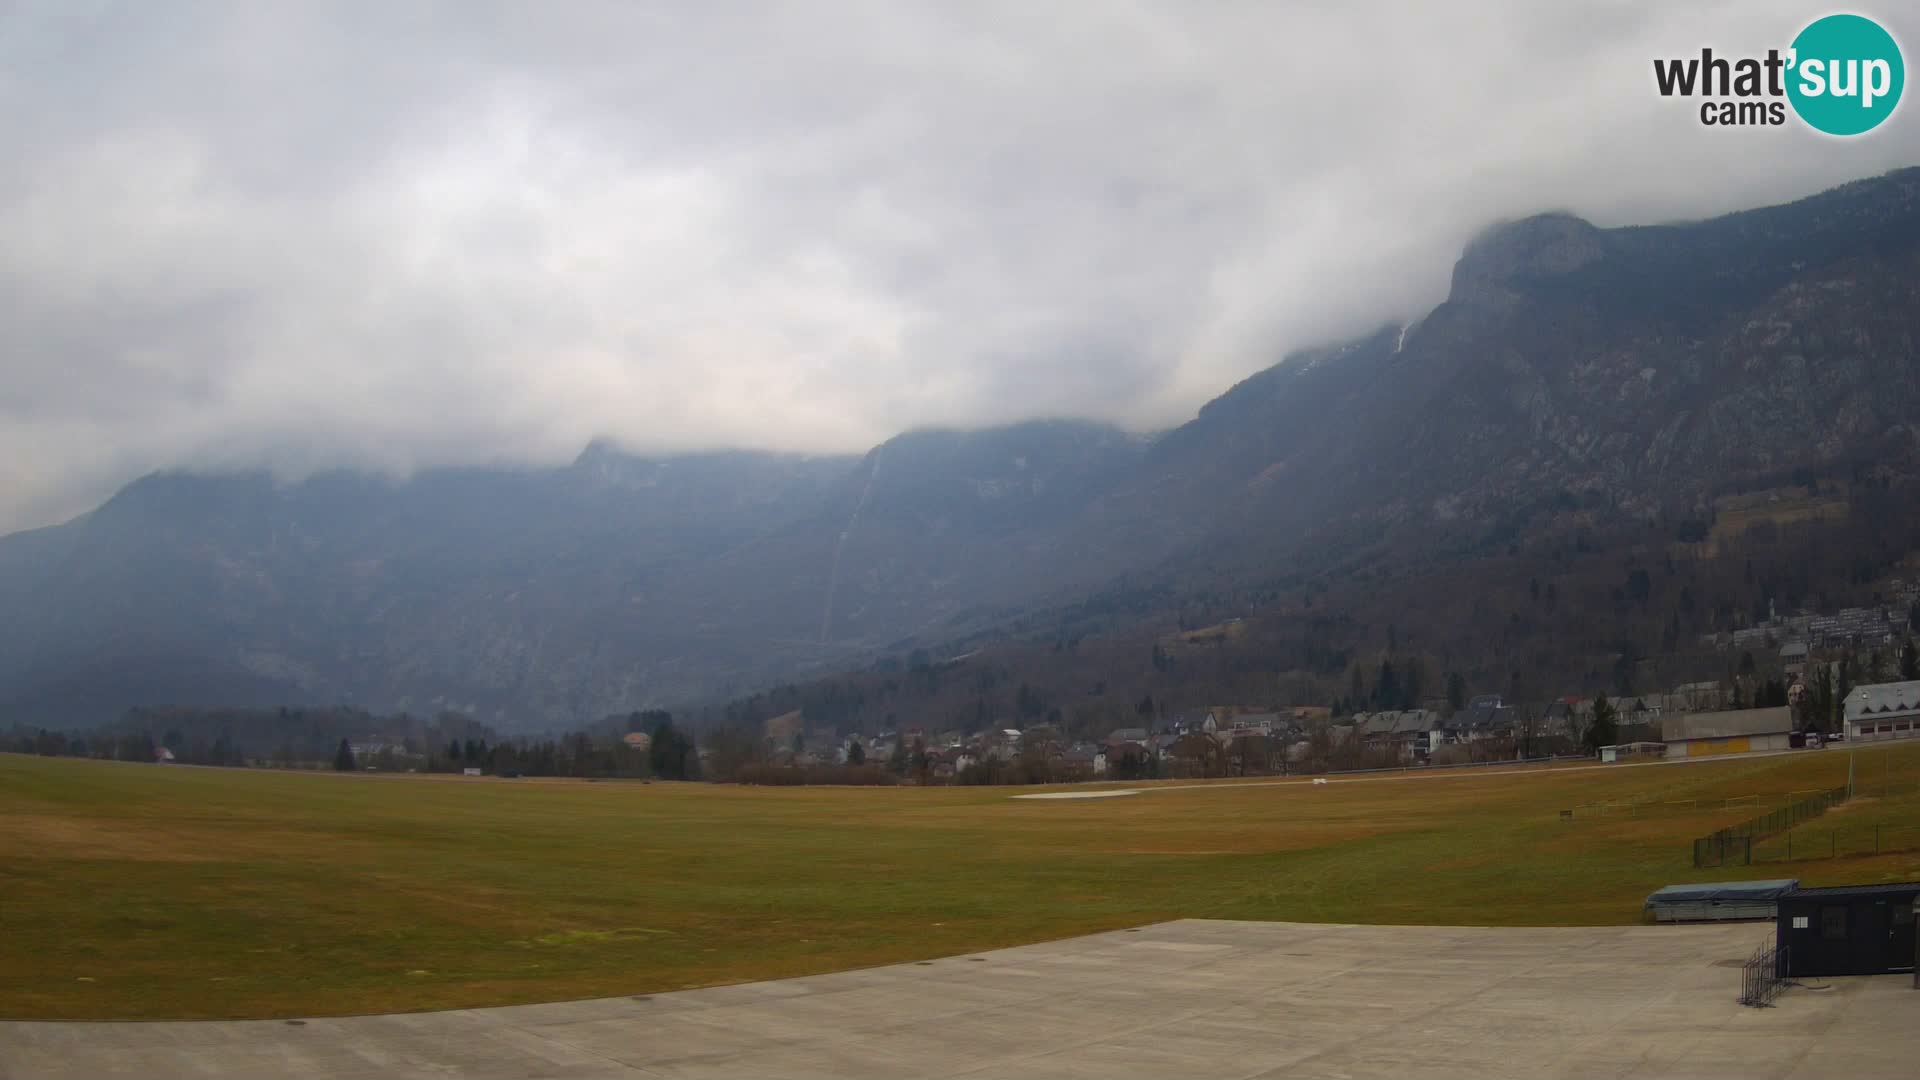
x,y
1856,839
1733,845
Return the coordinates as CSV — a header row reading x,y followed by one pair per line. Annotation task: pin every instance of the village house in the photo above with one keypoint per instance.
x,y
1222,717
1126,757
1188,720
1883,711
1082,762
1418,733
1001,745
1563,718
1695,697
1793,657
1198,753
1263,723
1375,730
1636,710
1488,717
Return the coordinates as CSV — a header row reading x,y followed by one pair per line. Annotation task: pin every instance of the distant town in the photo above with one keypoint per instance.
x,y
1800,681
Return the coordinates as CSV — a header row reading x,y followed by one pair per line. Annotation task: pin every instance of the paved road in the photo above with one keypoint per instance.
x,y
1190,998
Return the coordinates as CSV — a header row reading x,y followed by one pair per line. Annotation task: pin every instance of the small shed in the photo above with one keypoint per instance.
x,y
1849,929
1633,751
1720,901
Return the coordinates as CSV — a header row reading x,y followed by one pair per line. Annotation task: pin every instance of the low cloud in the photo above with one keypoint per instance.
x,y
300,236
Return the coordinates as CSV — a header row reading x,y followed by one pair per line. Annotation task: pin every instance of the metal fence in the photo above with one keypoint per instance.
x,y
1663,807
1734,844
1721,849
1859,838
1763,976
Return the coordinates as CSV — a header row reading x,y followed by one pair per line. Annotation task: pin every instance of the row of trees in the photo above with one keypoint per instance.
x,y
316,740
103,745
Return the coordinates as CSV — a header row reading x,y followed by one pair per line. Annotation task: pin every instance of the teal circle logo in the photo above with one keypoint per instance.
x,y
1846,74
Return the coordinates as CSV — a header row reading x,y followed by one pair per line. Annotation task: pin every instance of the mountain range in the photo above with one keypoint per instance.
x,y
1640,372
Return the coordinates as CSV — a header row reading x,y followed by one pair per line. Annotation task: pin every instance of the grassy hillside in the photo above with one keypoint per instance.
x,y
141,891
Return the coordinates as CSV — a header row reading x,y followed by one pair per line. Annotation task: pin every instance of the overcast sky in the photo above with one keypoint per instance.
x,y
403,234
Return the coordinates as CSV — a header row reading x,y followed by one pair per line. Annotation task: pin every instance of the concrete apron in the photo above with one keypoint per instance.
x,y
1189,998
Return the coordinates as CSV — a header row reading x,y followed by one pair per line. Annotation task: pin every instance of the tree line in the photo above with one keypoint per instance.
x,y
346,739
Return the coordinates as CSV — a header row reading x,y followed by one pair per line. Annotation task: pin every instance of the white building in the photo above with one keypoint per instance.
x,y
1883,711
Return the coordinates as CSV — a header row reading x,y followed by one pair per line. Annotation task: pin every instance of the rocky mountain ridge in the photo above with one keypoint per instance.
x,y
1642,371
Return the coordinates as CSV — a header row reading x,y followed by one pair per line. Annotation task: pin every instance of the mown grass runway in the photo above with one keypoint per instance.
x,y
142,891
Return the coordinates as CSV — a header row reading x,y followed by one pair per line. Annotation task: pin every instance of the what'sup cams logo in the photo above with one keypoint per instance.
x,y
1842,76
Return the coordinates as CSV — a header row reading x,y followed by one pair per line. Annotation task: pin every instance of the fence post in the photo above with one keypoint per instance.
x,y
1833,843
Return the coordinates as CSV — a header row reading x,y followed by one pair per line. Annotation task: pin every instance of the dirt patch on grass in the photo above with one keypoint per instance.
x,y
56,836
95,838
1255,839
589,937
